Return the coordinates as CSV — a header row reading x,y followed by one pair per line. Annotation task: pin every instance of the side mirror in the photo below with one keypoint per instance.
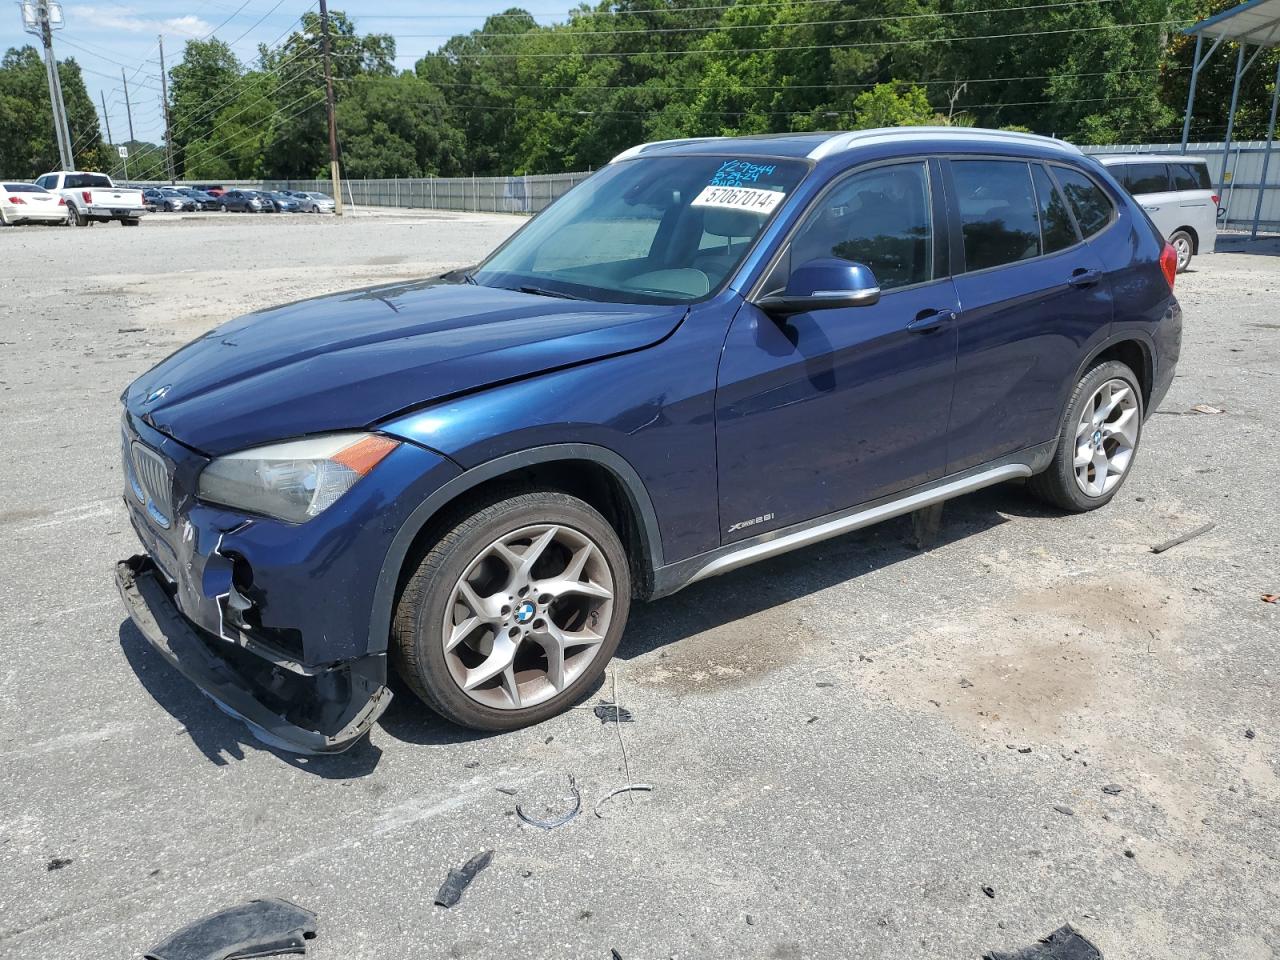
x,y
827,283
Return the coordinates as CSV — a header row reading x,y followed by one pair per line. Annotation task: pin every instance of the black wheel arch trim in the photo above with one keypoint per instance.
x,y
384,597
1139,337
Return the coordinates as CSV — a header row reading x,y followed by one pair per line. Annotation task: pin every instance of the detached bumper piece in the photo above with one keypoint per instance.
x,y
259,928
300,709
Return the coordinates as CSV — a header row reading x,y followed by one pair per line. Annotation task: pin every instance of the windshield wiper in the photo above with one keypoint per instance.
x,y
544,292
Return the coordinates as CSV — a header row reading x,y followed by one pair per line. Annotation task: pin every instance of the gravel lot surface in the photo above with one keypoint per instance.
x,y
847,745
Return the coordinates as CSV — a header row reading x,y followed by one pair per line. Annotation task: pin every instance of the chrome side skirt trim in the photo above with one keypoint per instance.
x,y
855,521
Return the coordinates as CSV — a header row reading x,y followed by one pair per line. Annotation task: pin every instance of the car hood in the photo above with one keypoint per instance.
x,y
349,360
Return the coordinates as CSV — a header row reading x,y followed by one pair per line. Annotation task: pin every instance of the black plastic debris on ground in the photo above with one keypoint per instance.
x,y
612,713
1063,944
575,799
57,863
459,879
259,928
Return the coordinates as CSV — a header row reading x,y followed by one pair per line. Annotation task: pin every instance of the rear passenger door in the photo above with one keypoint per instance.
x,y
1033,296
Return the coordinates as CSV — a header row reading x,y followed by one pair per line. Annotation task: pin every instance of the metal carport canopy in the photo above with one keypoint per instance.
x,y
1254,23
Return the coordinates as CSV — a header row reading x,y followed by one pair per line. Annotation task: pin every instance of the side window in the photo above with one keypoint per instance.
x,y
1147,177
997,212
1057,232
1088,201
880,217
1190,176
46,181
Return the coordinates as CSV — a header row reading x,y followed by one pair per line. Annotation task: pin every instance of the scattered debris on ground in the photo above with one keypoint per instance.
x,y
57,863
629,788
1063,944
990,892
1271,598
551,824
1249,734
459,879
258,928
1113,789
472,764
1206,408
1198,531
612,713
509,791
1064,810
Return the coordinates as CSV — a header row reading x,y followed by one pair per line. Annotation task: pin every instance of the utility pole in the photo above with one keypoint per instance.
x,y
127,108
333,127
164,102
40,18
105,118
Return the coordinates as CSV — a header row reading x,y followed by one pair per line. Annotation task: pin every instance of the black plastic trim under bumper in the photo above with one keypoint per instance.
x,y
157,617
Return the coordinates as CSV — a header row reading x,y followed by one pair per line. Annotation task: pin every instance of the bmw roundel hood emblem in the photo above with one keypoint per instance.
x,y
157,393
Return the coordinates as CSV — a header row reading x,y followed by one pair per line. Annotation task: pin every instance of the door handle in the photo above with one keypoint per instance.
x,y
1150,209
927,321
1081,277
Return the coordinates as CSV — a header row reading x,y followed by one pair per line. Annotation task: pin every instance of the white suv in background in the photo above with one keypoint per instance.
x,y
1176,193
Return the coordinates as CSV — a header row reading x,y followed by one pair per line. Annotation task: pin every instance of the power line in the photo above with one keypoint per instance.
x,y
811,46
715,28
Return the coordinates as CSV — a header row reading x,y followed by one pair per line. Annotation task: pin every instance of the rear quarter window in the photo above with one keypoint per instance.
x,y
1088,201
1145,177
1190,176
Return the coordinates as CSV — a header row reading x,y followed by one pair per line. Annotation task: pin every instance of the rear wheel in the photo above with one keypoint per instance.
x,y
513,614
1098,440
77,218
222,207
1183,246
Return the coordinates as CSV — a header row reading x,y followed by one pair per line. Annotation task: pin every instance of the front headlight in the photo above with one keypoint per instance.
x,y
295,480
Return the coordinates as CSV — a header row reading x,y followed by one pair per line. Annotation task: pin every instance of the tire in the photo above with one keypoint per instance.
x,y
433,597
1080,488
1185,246
76,217
222,207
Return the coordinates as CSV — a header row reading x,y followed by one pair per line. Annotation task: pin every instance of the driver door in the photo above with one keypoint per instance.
x,y
822,411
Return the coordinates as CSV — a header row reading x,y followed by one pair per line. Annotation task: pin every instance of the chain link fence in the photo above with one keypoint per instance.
x,y
1242,182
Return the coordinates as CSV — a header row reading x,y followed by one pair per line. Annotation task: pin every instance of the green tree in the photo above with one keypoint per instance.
x,y
28,146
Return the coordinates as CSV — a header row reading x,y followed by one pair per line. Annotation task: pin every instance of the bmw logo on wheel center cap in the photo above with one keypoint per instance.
x,y
525,612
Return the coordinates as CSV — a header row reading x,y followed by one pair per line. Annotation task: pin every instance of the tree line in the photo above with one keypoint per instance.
x,y
518,97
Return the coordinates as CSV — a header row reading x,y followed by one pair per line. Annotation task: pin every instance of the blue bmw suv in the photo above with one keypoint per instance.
x,y
711,352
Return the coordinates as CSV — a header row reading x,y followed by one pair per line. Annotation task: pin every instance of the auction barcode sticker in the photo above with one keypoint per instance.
x,y
739,198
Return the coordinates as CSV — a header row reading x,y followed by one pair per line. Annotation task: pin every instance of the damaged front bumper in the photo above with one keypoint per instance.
x,y
285,704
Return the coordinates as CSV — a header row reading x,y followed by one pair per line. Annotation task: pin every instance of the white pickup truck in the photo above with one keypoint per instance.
x,y
92,197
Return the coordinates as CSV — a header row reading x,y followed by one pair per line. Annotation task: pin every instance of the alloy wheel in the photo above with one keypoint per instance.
x,y
1182,247
528,616
1106,436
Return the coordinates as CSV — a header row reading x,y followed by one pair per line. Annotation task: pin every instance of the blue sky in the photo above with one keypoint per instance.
x,y
104,36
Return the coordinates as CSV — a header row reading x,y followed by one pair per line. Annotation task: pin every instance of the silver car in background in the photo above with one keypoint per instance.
x,y
1177,195
310,202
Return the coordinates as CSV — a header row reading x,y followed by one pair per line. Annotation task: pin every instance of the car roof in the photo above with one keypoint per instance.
x,y
1111,159
815,146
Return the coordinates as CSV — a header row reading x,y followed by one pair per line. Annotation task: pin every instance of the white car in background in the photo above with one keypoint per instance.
x,y
29,203
1177,194
93,198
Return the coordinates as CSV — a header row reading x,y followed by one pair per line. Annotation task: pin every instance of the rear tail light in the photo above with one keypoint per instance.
x,y
1216,199
18,200
1169,264
62,201
88,196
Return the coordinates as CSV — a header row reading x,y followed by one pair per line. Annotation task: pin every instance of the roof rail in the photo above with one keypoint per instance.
x,y
840,142
630,152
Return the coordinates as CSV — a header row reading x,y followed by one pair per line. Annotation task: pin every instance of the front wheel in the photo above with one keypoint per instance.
x,y
1183,246
513,614
1098,440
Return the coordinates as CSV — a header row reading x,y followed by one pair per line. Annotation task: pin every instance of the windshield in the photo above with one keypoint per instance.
x,y
23,188
655,230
